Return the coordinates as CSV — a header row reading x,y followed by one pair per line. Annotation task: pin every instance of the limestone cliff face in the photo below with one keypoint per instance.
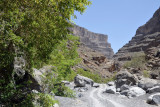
x,y
95,41
147,36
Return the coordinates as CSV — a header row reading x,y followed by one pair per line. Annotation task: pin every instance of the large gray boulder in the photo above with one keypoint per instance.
x,y
111,90
146,83
39,77
124,77
154,99
135,92
81,81
154,89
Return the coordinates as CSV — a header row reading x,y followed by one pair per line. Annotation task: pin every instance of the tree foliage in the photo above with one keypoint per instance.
x,y
35,26
38,30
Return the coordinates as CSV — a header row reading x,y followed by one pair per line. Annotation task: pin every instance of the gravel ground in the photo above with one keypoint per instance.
x,y
94,97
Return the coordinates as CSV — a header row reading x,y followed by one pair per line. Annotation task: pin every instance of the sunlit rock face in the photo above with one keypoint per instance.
x,y
95,41
147,36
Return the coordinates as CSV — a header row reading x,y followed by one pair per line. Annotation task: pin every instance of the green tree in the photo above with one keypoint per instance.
x,y
34,27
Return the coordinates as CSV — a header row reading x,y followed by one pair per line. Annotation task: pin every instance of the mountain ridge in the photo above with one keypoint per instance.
x,y
95,41
147,36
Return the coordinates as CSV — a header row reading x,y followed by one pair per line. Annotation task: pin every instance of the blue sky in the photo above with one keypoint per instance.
x,y
119,19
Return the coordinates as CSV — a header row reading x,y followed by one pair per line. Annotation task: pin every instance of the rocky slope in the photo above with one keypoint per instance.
x,y
95,41
147,36
94,62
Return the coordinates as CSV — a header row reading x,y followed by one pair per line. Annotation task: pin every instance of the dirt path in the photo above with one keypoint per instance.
x,y
99,100
94,97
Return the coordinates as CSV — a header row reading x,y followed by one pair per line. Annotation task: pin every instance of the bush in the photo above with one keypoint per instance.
x,y
137,61
146,73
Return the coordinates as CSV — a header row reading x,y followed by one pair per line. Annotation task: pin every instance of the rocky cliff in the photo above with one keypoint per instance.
x,y
95,41
94,62
147,36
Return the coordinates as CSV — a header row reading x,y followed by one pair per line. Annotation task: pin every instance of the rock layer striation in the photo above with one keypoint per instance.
x,y
95,41
147,36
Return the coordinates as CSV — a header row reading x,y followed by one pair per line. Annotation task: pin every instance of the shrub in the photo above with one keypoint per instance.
x,y
137,61
146,73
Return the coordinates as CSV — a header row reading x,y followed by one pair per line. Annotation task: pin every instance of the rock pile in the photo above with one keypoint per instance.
x,y
130,85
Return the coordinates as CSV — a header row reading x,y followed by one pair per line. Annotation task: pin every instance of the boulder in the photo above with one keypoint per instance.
x,y
46,69
81,81
154,89
146,83
124,87
124,92
111,83
96,85
135,92
39,77
154,99
124,77
155,74
118,89
146,86
111,90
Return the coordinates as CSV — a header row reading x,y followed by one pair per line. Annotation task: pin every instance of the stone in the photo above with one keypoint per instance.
x,y
146,86
146,83
118,89
96,85
154,75
81,81
111,83
124,87
135,92
111,90
154,89
124,92
38,76
154,99
124,77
